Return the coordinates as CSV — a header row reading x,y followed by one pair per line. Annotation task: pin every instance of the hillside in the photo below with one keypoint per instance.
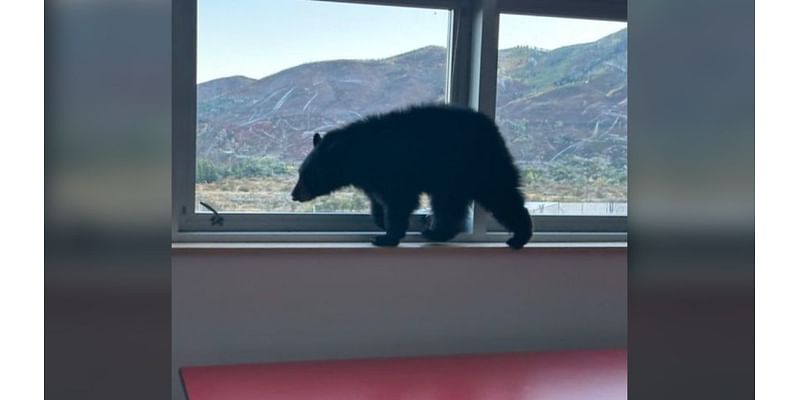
x,y
568,101
275,115
547,100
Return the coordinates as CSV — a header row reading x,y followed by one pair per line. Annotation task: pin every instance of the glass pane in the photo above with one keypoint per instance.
x,y
562,106
271,73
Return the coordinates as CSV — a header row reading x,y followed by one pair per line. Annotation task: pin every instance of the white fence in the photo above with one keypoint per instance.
x,y
564,208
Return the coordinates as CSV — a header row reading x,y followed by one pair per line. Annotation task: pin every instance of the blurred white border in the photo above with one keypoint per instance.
x,y
22,202
777,168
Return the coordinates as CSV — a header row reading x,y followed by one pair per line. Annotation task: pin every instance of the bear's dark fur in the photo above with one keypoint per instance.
x,y
455,155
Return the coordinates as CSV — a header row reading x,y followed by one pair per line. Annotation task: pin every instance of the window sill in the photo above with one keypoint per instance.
x,y
203,247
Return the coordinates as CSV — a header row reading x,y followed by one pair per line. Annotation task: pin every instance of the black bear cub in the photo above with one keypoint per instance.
x,y
455,155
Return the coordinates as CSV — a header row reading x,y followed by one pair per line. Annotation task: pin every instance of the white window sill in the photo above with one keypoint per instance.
x,y
190,247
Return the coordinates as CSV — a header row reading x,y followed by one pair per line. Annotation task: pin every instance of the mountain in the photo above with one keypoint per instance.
x,y
571,101
217,87
551,104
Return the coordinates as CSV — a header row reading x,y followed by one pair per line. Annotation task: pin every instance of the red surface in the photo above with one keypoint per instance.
x,y
595,375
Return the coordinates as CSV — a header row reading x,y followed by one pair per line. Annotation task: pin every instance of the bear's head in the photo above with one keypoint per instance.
x,y
320,172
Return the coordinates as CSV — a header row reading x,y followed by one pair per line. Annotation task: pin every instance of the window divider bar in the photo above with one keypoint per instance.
x,y
483,80
460,53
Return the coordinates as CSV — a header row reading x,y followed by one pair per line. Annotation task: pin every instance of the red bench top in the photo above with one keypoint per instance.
x,y
562,375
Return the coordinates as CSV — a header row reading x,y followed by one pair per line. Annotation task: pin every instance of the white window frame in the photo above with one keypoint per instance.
x,y
471,81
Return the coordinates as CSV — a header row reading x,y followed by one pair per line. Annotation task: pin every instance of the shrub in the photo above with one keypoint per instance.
x,y
208,171
258,167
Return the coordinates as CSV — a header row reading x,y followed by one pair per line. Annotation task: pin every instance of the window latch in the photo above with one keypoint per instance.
x,y
216,219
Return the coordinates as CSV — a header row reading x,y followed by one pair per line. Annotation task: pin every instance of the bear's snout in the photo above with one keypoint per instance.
x,y
300,193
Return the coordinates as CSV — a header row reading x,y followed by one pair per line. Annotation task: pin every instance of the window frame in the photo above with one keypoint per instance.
x,y
471,80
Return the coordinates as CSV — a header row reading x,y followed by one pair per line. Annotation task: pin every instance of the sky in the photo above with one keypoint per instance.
x,y
257,38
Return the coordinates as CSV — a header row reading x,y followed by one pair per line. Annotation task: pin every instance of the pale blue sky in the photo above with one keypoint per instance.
x,y
257,38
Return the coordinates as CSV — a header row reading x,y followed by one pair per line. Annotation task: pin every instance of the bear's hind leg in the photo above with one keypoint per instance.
x,y
508,208
397,212
449,213
377,211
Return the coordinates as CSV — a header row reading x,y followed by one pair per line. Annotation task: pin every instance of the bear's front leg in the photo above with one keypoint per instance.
x,y
397,212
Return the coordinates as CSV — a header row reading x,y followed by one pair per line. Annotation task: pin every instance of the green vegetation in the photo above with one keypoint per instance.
x,y
571,178
208,171
575,179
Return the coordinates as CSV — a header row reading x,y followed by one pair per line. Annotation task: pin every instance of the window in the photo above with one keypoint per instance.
x,y
253,81
562,108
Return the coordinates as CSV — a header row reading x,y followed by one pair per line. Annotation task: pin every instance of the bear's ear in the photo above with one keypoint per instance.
x,y
317,138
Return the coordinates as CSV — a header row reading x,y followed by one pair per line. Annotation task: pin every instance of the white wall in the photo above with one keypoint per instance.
x,y
257,305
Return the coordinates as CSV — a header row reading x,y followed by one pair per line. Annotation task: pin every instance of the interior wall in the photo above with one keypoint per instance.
x,y
260,305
